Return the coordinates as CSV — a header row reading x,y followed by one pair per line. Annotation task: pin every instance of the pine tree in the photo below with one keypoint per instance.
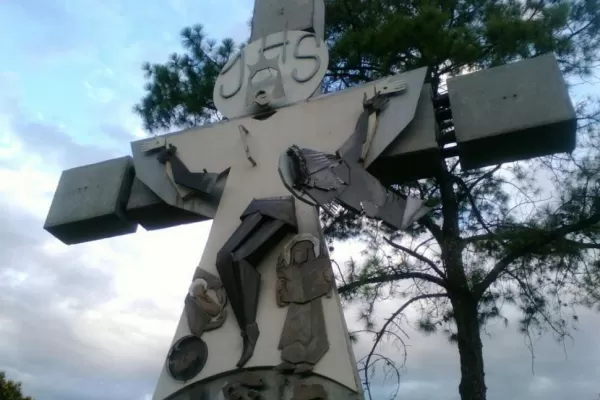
x,y
10,390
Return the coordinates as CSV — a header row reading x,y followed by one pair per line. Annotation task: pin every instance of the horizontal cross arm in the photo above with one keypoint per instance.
x,y
106,199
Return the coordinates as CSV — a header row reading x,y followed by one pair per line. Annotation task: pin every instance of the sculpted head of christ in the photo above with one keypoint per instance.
x,y
264,81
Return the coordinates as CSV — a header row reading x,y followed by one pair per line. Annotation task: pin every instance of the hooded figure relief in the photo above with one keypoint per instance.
x,y
304,275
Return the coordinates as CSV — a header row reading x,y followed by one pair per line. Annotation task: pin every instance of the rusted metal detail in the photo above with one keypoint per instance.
x,y
243,135
248,386
271,86
205,310
235,391
252,380
265,384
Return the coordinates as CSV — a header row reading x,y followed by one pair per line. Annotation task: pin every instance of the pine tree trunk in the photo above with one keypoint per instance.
x,y
470,349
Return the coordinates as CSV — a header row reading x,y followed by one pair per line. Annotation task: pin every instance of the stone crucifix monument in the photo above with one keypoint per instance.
x,y
262,318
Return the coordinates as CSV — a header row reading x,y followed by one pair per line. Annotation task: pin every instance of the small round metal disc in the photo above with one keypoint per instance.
x,y
187,358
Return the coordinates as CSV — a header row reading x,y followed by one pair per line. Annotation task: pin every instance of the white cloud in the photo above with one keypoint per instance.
x,y
99,94
103,72
541,385
107,306
9,144
180,6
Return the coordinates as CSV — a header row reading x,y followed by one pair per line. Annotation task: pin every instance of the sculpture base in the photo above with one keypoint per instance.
x,y
265,384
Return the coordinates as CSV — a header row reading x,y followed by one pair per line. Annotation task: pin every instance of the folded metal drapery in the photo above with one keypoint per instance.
x,y
333,180
265,222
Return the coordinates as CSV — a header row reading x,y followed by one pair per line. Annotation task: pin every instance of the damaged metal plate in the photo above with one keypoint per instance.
x,y
400,111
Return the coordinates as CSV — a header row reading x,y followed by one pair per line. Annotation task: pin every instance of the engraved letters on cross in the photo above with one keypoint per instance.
x,y
279,69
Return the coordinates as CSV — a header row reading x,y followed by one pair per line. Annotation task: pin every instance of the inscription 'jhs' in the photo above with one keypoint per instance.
x,y
239,59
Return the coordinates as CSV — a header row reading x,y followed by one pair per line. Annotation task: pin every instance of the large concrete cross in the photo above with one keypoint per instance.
x,y
284,152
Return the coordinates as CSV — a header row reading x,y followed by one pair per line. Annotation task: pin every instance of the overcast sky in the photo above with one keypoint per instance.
x,y
94,321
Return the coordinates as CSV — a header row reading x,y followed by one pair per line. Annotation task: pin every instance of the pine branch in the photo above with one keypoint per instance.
x,y
581,245
529,293
477,238
432,227
474,207
383,329
487,175
507,235
546,239
391,278
417,256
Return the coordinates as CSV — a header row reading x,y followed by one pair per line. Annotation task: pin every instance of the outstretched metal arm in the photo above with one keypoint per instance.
x,y
264,224
329,180
201,182
352,149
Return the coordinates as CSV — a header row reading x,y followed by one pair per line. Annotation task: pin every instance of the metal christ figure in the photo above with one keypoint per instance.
x,y
340,179
264,224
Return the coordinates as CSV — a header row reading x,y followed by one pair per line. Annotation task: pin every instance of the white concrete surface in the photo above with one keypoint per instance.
x,y
323,124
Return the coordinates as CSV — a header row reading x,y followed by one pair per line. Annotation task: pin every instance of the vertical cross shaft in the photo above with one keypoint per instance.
x,y
272,16
247,271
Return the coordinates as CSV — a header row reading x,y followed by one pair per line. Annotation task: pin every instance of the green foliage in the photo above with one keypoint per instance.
x,y
498,237
426,325
375,38
179,92
372,39
10,390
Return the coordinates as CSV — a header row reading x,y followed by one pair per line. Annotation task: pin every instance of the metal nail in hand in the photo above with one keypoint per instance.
x,y
243,133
